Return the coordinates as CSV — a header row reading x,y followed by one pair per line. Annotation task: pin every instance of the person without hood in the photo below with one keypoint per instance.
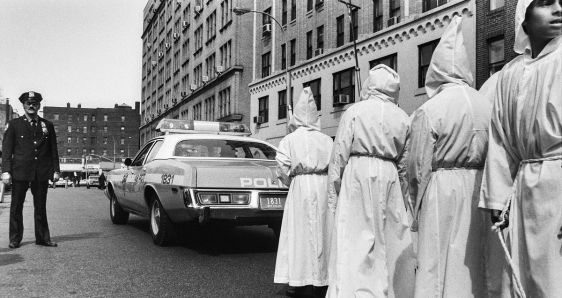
x,y
30,159
524,164
371,253
447,151
302,158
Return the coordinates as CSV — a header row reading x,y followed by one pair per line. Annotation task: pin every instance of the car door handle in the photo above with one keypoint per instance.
x,y
174,190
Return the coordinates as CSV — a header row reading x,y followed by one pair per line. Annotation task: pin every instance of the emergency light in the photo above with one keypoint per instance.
x,y
168,126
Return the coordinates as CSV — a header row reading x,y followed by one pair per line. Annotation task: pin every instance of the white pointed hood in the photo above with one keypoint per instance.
x,y
382,82
305,113
449,63
522,40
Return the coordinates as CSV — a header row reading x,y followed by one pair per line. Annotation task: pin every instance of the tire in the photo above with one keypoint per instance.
x,y
117,214
276,230
161,228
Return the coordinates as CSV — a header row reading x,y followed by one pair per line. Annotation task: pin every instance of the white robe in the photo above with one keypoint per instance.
x,y
371,253
525,163
447,150
302,158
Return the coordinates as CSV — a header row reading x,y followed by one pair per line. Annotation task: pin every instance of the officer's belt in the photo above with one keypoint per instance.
x,y
311,172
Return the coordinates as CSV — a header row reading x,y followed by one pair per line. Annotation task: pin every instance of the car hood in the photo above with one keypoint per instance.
x,y
234,173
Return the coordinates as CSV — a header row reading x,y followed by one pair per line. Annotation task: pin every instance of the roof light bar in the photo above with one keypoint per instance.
x,y
168,126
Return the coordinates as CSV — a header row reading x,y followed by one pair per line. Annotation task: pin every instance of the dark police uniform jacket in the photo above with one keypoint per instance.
x,y
29,152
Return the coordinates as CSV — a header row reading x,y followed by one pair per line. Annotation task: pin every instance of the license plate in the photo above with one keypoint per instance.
x,y
272,201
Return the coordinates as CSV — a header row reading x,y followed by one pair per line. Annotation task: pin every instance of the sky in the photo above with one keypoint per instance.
x,y
71,51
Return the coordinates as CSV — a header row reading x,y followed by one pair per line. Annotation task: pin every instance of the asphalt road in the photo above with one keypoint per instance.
x,y
98,259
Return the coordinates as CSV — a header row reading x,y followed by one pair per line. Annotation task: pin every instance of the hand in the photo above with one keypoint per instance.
x,y
6,178
56,177
496,216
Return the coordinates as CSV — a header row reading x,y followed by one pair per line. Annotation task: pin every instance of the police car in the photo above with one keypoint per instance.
x,y
198,172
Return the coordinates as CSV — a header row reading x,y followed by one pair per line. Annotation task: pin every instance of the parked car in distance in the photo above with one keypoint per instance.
x,y
92,181
198,172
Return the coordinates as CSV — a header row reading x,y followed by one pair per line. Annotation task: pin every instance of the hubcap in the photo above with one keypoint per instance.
x,y
155,218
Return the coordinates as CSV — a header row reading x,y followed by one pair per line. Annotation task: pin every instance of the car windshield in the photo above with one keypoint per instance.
x,y
224,149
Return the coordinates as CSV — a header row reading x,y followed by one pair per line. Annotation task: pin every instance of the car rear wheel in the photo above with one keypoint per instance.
x,y
161,228
117,214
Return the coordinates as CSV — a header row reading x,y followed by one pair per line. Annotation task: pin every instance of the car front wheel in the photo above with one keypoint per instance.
x,y
161,228
117,214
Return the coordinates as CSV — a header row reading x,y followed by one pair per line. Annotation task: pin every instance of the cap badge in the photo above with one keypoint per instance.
x,y
31,94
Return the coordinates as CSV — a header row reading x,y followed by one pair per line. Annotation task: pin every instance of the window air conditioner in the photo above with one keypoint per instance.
x,y
159,112
167,45
152,116
183,94
185,24
205,79
266,28
219,68
148,45
179,2
176,36
174,101
154,63
259,119
393,21
198,8
318,51
160,54
166,106
193,87
342,99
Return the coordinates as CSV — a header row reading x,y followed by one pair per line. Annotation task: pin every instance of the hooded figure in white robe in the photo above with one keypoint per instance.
x,y
371,253
524,163
302,164
446,155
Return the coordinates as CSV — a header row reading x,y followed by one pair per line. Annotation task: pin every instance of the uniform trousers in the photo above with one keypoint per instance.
x,y
39,192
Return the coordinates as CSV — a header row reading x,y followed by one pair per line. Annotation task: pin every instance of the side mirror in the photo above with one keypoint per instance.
x,y
128,161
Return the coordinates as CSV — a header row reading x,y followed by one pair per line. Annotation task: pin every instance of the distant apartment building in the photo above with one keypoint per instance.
x,y
109,132
7,113
196,63
316,48
495,35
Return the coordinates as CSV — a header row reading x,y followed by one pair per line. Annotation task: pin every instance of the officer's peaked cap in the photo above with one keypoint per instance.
x,y
30,95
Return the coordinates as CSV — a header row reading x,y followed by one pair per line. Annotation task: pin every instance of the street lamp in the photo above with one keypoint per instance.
x,y
241,11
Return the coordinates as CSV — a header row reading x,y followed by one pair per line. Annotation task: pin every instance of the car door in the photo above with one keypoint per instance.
x,y
135,183
128,176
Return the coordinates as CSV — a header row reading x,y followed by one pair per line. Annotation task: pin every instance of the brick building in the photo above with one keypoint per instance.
x,y
7,113
495,35
316,48
109,132
196,62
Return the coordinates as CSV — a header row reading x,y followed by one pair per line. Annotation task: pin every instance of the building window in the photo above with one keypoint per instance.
x,y
85,129
122,118
293,10
224,102
390,61
377,15
122,141
283,56
308,44
122,128
70,128
105,118
56,128
339,31
266,20
354,25
104,152
105,129
265,64
496,50
92,151
263,108
69,151
55,116
394,12
431,4
425,52
84,140
344,86
69,117
293,58
495,4
84,151
105,140
315,87
69,140
92,129
210,108
309,5
282,104
320,40
93,140
85,118
93,118
284,12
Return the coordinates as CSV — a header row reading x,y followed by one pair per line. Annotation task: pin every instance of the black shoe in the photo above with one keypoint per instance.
x,y
14,245
46,243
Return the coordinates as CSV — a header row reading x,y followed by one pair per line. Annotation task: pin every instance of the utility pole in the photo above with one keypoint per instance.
x,y
350,8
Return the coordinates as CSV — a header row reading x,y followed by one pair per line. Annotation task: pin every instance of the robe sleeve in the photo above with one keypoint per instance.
x,y
283,159
501,161
341,151
402,166
420,153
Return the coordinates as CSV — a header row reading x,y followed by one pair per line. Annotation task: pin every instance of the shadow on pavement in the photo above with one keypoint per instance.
x,y
9,259
73,237
217,239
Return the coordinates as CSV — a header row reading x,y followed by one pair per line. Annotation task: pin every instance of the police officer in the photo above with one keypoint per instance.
x,y
30,159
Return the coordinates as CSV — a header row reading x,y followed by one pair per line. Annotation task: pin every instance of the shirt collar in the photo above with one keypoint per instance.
x,y
29,119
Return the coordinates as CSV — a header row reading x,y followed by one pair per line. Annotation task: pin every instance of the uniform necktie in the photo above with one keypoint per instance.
x,y
34,122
